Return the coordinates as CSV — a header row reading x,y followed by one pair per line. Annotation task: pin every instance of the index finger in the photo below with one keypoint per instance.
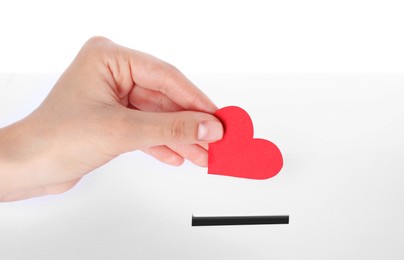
x,y
152,73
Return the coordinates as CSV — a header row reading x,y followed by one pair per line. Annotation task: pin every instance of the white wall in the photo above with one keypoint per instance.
x,y
211,36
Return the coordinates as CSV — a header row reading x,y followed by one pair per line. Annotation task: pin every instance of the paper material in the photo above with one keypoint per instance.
x,y
238,154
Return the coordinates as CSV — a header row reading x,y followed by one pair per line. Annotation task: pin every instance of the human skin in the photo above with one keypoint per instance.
x,y
110,100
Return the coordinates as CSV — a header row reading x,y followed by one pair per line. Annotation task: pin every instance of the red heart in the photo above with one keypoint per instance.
x,y
238,154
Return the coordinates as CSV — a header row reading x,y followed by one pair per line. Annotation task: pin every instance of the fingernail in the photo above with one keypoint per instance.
x,y
210,131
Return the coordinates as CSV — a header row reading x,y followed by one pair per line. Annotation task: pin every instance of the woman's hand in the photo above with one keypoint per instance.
x,y
110,100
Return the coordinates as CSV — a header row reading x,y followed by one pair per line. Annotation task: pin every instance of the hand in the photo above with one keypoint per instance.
x,y
110,100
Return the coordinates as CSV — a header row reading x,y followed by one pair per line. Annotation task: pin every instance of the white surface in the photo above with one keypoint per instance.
x,y
208,36
342,182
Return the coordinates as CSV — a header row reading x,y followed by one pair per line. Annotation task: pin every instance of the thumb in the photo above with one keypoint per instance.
x,y
185,127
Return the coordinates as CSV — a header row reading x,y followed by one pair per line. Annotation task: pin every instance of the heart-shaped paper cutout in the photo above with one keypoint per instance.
x,y
238,154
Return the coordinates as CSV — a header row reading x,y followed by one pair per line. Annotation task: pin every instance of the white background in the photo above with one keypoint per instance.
x,y
211,36
342,183
341,134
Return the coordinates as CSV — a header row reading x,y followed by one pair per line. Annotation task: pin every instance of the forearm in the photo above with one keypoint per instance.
x,y
19,162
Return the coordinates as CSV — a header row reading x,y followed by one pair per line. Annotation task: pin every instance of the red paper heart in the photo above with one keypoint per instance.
x,y
238,154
